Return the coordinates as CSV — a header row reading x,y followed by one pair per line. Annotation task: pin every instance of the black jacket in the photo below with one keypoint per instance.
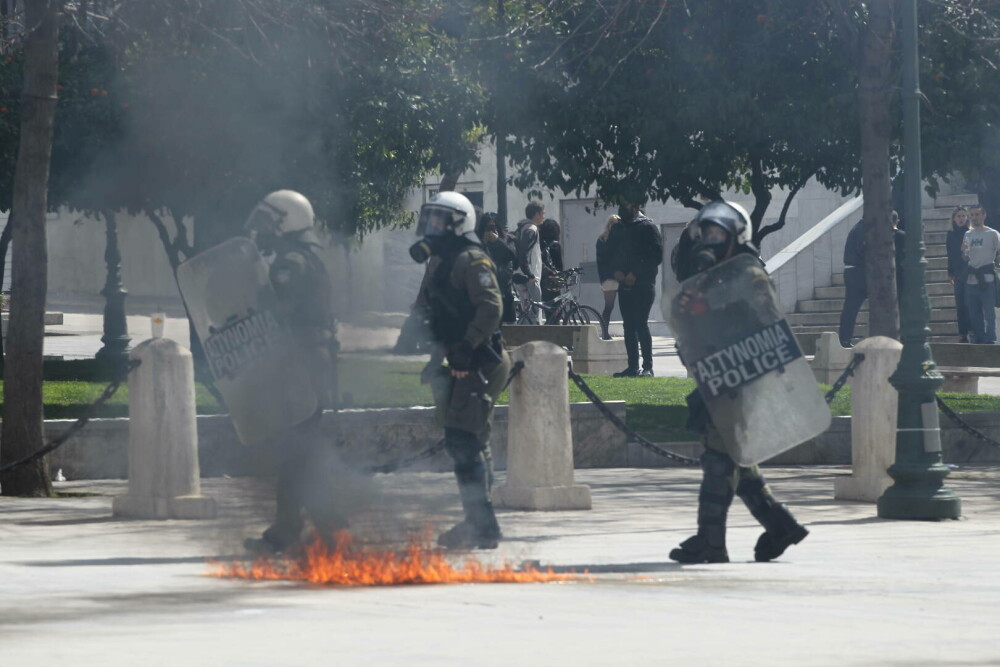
x,y
958,268
636,247
854,247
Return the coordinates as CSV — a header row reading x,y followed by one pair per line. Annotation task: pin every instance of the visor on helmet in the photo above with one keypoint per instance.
x,y
264,219
438,220
709,232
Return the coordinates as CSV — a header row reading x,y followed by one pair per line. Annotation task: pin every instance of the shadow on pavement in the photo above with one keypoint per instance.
x,y
114,562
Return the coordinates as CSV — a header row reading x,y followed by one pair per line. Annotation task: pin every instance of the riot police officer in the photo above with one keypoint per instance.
x,y
282,226
720,231
461,293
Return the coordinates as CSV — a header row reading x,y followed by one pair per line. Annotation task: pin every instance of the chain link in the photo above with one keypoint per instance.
x,y
842,380
408,461
620,425
953,416
63,437
393,466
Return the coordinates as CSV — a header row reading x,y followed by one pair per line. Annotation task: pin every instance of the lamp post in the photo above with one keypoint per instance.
x,y
918,491
115,338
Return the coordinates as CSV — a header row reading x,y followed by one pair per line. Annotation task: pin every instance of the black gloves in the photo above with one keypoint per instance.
x,y
460,356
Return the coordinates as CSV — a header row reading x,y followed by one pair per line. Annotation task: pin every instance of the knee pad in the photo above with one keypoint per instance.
x,y
463,446
754,493
717,464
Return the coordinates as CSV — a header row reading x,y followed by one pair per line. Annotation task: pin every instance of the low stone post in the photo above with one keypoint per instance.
x,y
539,439
873,421
831,358
163,475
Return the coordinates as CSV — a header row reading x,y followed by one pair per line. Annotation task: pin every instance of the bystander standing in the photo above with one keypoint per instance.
x,y
958,268
636,250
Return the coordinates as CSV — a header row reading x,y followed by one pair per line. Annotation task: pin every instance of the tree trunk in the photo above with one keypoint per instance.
x,y
22,418
875,92
449,179
8,230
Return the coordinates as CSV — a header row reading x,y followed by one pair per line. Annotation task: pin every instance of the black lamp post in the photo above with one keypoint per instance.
x,y
918,491
115,338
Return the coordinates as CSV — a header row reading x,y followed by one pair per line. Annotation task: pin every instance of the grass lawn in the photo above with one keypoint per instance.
x,y
655,406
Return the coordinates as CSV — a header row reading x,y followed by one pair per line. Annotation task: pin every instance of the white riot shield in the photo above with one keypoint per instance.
x,y
731,335
231,302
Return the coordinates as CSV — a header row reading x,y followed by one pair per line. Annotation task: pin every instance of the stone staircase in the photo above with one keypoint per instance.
x,y
822,313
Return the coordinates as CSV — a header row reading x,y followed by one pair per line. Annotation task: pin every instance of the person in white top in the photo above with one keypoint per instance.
x,y
981,248
529,254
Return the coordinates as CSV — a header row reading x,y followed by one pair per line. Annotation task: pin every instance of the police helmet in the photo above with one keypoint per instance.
x,y
448,213
283,212
732,217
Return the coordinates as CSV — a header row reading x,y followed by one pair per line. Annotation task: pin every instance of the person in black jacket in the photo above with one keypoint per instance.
x,y
636,250
958,268
552,260
494,237
854,281
855,276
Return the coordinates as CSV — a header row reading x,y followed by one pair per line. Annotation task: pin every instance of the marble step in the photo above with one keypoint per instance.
x,y
837,291
861,330
834,305
833,317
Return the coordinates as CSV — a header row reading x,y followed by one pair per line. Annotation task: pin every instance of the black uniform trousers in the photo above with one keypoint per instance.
x,y
856,293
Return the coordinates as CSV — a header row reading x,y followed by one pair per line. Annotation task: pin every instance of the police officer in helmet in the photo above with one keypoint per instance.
x,y
282,226
461,293
718,232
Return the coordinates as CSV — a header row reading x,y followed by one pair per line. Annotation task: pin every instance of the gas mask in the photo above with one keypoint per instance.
x,y
711,246
421,251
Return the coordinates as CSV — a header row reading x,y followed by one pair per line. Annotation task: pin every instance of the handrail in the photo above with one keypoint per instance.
x,y
814,234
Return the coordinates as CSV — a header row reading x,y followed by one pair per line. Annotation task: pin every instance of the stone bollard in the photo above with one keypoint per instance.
x,y
539,440
830,359
163,475
873,421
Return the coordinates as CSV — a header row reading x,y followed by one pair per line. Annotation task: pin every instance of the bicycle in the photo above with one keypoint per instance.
x,y
564,309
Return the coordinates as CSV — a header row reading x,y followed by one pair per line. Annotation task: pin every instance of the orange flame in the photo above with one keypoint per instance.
x,y
348,564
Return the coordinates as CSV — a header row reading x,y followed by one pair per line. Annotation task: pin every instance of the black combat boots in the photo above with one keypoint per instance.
x,y
479,529
781,530
714,499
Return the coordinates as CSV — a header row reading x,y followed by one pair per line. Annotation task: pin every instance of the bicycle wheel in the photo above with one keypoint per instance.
x,y
524,314
595,318
581,314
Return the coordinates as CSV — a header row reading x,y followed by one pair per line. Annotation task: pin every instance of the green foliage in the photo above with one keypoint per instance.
x,y
960,81
639,100
200,108
649,101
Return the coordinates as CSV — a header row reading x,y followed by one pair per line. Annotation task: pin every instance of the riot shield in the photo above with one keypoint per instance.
x,y
733,339
229,296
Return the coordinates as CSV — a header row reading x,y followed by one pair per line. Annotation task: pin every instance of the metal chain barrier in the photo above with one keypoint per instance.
x,y
91,409
953,416
394,466
408,461
620,425
842,380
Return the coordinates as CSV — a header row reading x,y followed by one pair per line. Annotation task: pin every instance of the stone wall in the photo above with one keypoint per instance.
x,y
366,437
372,437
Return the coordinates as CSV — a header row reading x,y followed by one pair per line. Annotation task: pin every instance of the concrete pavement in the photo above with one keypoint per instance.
x,y
81,588
77,587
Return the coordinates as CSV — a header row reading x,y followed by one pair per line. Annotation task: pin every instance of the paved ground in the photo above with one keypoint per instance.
x,y
79,588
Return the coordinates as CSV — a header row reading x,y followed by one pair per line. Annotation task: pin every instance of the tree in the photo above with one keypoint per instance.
x,y
642,100
875,44
22,419
960,79
348,102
